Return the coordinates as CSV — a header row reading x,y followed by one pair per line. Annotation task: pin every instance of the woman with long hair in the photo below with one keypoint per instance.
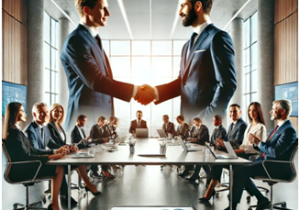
x,y
256,127
19,148
59,136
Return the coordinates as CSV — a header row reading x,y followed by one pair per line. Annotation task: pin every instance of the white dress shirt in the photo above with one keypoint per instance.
x,y
258,130
82,137
94,34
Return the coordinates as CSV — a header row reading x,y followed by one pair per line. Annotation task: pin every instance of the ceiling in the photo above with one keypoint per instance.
x,y
152,19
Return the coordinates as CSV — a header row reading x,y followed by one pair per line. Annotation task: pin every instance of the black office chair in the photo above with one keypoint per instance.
x,y
27,183
288,166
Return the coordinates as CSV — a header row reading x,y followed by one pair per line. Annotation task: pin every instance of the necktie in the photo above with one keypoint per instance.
x,y
192,40
42,135
82,131
139,124
98,41
264,154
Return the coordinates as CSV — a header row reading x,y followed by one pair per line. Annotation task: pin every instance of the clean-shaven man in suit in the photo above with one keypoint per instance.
x,y
168,126
100,134
236,129
78,134
279,146
138,123
207,77
219,131
89,75
39,135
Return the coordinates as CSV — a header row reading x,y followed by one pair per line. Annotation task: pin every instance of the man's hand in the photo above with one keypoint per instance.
x,y
145,94
254,139
87,138
62,150
219,142
74,149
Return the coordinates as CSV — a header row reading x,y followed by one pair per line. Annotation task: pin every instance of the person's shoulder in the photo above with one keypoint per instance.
x,y
74,129
31,126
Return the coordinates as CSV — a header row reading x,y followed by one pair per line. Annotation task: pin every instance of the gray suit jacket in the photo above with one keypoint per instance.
x,y
170,128
201,134
237,133
218,133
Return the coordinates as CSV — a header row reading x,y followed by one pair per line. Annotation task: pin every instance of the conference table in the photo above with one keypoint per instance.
x,y
175,155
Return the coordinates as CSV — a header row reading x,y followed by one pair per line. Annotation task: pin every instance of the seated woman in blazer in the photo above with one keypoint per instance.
x,y
19,148
59,136
256,127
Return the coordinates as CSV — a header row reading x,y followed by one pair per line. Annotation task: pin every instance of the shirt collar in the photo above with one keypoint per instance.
x,y
17,126
235,121
92,32
201,28
40,126
77,126
281,123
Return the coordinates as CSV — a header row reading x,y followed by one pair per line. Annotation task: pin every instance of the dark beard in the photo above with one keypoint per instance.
x,y
190,18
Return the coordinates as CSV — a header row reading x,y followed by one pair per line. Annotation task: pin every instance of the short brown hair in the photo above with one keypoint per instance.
x,y
81,117
101,118
236,105
198,119
181,117
112,118
167,116
79,4
139,111
218,117
206,4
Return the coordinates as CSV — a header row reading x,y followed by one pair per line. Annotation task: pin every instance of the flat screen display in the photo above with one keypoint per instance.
x,y
12,92
288,91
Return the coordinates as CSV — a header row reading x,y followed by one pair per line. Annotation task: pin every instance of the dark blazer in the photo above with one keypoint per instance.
x,y
219,132
281,145
20,148
90,79
170,128
237,133
76,137
96,134
34,135
202,134
133,125
55,135
207,78
184,130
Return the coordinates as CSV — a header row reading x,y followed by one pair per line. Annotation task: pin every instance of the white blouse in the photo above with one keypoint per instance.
x,y
61,134
258,130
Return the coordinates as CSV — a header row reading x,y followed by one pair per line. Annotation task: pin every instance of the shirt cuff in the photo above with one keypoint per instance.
x,y
156,94
54,151
135,88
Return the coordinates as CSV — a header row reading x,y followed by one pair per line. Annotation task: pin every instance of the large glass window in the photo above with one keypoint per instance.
x,y
152,62
50,59
250,62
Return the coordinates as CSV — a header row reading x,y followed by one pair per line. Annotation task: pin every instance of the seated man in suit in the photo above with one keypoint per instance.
x,y
78,133
39,135
168,126
219,132
112,125
138,123
99,134
199,135
183,127
279,146
236,130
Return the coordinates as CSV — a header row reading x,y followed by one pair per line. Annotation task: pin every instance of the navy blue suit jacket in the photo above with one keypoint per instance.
x,y
237,133
34,135
90,79
207,78
281,145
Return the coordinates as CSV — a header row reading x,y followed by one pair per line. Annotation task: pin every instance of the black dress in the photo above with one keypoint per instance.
x,y
19,148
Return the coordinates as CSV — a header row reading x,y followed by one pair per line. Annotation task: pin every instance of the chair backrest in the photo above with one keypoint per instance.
x,y
294,150
7,162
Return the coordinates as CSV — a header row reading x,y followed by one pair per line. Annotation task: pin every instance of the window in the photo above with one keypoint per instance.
x,y
250,62
50,59
145,61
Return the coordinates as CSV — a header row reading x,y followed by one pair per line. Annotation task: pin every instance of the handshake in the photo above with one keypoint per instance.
x,y
145,94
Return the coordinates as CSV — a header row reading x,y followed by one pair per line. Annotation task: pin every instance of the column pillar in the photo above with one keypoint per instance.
x,y
35,59
265,62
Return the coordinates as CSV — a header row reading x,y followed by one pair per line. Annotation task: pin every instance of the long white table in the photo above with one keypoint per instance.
x,y
175,155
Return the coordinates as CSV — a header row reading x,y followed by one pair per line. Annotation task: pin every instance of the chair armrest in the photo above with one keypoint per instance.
x,y
28,162
275,161
253,157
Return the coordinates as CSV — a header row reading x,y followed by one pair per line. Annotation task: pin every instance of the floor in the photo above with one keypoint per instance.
x,y
147,186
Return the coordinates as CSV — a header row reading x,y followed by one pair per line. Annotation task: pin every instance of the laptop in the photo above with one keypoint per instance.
x,y
141,133
231,154
161,133
188,148
83,155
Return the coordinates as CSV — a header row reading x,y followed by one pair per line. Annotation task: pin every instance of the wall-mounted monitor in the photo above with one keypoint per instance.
x,y
12,92
288,91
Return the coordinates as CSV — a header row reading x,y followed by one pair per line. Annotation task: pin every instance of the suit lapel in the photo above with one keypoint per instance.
x,y
37,131
94,42
199,41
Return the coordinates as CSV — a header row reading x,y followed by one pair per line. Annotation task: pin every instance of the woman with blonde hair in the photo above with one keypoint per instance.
x,y
59,136
19,148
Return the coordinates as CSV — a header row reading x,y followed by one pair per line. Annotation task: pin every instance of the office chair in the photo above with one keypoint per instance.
x,y
26,183
289,165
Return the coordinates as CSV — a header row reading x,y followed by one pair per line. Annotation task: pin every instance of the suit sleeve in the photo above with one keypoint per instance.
x,y
203,136
222,134
53,137
286,139
96,135
35,147
240,134
222,53
146,124
131,128
79,56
